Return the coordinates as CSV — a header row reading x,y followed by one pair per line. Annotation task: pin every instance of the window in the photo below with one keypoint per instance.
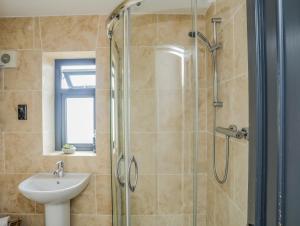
x,y
75,83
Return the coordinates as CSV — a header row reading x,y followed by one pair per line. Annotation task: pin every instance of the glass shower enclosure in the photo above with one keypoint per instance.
x,y
155,139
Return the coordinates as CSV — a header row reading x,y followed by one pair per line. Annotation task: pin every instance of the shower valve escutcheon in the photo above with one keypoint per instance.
x,y
232,131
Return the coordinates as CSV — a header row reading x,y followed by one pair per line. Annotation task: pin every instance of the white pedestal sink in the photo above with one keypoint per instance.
x,y
55,193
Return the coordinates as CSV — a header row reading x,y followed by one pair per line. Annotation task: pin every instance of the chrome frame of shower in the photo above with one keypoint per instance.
x,y
124,10
115,14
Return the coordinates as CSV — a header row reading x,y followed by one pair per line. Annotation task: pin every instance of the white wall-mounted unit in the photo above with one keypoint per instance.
x,y
8,59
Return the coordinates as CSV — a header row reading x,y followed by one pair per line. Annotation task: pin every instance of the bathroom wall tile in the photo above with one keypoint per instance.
x,y
229,186
11,200
169,186
27,75
23,152
234,94
143,30
143,147
37,40
240,165
143,111
222,209
170,111
143,220
30,219
211,203
102,39
16,33
169,68
103,111
69,33
169,153
174,29
1,152
143,68
227,8
103,71
103,153
225,55
8,113
103,194
201,194
85,202
203,70
90,220
240,41
170,220
144,199
1,80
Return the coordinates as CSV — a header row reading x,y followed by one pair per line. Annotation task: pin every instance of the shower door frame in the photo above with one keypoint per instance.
x,y
268,85
123,10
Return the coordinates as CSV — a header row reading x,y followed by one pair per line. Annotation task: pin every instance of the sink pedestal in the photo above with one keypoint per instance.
x,y
58,214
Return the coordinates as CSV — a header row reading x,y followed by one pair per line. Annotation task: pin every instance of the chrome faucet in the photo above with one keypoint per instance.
x,y
60,169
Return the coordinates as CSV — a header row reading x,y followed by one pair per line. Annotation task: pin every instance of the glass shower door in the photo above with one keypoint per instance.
x,y
124,164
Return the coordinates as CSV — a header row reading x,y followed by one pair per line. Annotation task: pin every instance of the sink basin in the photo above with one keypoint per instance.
x,y
46,188
55,193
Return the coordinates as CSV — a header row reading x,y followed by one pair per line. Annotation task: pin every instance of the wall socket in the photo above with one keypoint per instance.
x,y
8,59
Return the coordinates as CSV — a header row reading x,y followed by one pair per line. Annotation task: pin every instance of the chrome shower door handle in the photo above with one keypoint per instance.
x,y
117,174
131,186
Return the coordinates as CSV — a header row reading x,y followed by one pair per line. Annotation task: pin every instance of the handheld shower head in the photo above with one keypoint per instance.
x,y
202,37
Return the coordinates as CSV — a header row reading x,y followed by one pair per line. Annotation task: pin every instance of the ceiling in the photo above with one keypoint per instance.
x,y
25,8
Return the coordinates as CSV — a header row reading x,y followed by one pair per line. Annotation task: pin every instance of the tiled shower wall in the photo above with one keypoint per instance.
x,y
162,146
227,204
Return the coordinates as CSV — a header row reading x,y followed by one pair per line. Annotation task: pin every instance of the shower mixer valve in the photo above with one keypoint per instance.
x,y
232,131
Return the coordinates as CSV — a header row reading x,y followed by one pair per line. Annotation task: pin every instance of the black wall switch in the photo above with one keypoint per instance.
x,y
22,112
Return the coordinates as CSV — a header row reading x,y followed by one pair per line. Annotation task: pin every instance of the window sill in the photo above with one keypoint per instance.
x,y
76,153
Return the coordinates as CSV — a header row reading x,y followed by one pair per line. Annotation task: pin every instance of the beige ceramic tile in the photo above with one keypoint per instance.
x,y
143,30
37,41
1,152
23,152
174,29
11,200
169,202
103,194
143,111
144,199
103,71
103,111
170,220
143,146
27,75
69,33
143,220
85,202
169,153
234,94
30,219
16,33
102,39
170,112
91,220
8,113
225,55
211,203
143,67
240,164
240,42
